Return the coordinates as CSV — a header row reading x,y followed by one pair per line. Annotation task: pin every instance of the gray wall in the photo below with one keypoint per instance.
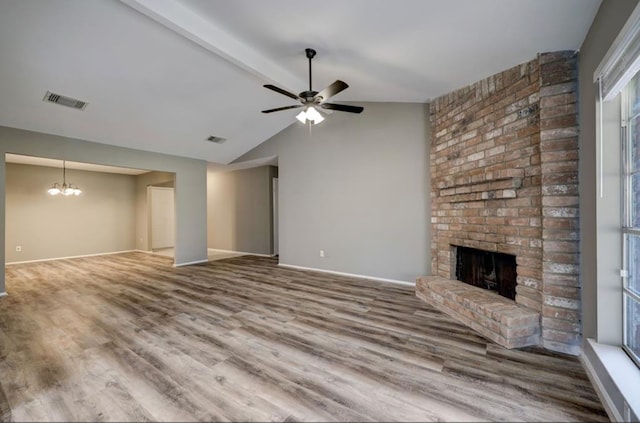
x,y
239,210
600,242
355,186
609,21
101,220
163,179
191,182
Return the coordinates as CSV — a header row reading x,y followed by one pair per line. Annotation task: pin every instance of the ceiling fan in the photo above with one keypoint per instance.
x,y
312,99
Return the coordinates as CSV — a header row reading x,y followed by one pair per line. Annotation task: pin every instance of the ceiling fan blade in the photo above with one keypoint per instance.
x,y
332,90
282,108
342,107
281,91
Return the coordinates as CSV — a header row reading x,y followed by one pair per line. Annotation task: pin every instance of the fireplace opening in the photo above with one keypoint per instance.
x,y
488,270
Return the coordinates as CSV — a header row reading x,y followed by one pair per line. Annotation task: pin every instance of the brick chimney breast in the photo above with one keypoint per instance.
x,y
504,178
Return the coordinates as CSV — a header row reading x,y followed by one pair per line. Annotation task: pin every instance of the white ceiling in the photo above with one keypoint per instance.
x,y
163,75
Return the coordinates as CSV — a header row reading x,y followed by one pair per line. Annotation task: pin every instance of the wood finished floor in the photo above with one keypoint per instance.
x,y
130,338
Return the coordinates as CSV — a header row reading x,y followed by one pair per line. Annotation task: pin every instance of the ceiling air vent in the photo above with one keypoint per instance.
x,y
74,103
217,140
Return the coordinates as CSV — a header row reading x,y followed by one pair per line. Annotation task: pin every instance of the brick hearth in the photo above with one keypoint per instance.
x,y
499,319
504,177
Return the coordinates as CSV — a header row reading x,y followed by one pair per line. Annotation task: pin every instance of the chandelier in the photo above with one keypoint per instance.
x,y
64,189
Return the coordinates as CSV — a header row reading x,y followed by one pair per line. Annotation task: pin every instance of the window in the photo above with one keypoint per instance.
x,y
631,218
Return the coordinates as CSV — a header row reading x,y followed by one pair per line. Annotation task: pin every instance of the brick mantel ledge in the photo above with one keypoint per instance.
x,y
499,319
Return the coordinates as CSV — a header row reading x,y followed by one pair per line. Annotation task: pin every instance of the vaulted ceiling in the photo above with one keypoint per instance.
x,y
163,75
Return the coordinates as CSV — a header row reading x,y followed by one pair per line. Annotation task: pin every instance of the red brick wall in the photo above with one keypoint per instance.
x,y
561,313
504,178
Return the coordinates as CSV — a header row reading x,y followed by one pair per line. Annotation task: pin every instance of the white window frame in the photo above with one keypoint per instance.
x,y
627,228
615,375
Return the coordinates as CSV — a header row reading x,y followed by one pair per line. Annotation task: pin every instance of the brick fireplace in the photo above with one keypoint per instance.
x,y
504,179
487,269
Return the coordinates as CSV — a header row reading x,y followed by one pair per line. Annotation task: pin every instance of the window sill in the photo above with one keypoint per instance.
x,y
624,374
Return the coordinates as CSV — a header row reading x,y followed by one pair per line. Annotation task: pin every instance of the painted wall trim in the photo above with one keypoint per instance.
x,y
619,368
70,257
190,263
607,402
3,294
240,252
352,275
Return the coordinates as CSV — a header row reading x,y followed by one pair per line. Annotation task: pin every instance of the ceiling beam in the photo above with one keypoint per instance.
x,y
184,21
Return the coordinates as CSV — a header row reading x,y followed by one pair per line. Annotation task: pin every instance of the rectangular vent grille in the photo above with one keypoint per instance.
x,y
217,140
74,103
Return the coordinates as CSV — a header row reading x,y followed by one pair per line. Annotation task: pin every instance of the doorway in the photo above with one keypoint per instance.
x,y
161,219
274,224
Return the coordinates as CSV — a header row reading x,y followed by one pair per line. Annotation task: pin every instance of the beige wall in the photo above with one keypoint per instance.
x,y
239,210
101,220
191,182
111,215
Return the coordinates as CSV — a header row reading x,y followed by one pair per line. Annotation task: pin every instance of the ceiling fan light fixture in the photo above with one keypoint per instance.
x,y
314,115
310,115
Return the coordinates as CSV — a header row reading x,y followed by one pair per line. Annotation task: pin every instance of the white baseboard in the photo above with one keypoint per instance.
x,y
3,294
70,257
351,275
239,252
190,263
144,251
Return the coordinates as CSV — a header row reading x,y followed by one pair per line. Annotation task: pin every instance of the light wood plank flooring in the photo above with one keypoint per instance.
x,y
130,338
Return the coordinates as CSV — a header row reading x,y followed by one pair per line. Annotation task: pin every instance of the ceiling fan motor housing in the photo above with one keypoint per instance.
x,y
309,96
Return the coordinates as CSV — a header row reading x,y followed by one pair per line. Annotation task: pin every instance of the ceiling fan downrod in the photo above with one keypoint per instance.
x,y
311,53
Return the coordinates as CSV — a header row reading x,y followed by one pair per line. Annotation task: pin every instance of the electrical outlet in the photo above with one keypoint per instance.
x,y
321,253
18,248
